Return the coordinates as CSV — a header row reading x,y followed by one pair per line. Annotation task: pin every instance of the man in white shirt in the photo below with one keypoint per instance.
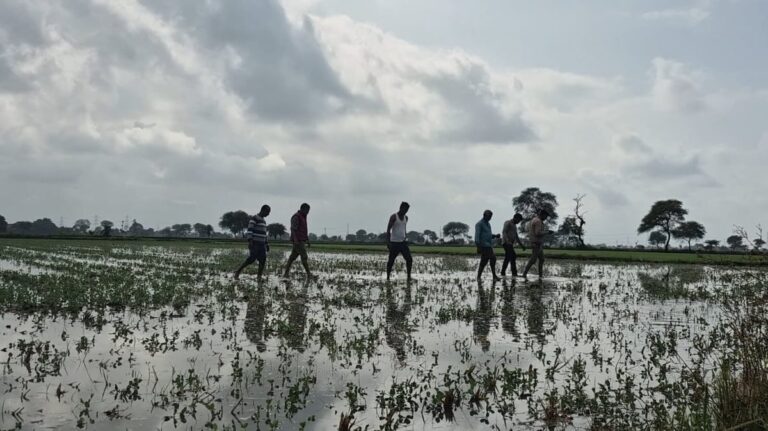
x,y
396,239
509,238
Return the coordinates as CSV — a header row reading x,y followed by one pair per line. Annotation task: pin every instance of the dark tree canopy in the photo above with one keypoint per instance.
x,y
361,235
689,231
201,229
736,242
81,225
532,200
234,221
657,238
758,243
3,224
454,229
570,231
44,226
430,235
415,237
181,229
276,230
711,244
136,228
665,216
106,227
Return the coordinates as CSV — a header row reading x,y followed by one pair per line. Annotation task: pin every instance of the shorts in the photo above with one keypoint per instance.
x,y
258,251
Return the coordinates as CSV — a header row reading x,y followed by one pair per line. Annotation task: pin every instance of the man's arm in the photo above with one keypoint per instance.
x,y
390,224
294,226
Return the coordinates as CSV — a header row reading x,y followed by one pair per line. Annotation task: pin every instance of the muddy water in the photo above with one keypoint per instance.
x,y
444,352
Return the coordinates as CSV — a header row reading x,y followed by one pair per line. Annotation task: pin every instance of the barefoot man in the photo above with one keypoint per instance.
x,y
510,237
484,242
396,239
257,241
536,235
299,239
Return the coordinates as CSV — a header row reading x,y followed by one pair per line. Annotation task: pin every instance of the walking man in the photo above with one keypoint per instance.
x,y
509,238
299,239
396,239
484,242
257,241
536,235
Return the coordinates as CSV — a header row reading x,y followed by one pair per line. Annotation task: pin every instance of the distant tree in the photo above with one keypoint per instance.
x,y
382,237
324,237
81,226
3,225
711,244
372,237
136,228
657,238
44,226
759,243
736,242
430,235
578,214
532,200
361,235
350,237
665,216
276,230
20,228
166,231
182,229
208,230
567,231
689,231
234,221
106,227
415,237
454,229
201,229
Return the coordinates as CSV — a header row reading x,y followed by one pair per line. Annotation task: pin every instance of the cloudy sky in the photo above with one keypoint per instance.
x,y
177,111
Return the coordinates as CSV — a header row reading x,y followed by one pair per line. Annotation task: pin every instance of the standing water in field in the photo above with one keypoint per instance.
x,y
142,337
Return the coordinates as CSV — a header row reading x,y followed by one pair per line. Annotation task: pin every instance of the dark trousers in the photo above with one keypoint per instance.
x,y
510,258
396,248
487,255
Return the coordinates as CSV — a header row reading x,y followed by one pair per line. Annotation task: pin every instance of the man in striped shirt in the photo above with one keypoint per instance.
x,y
257,241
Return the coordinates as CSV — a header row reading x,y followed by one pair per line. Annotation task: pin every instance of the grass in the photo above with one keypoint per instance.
x,y
599,255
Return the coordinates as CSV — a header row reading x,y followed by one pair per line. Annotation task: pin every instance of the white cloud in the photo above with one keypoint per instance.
x,y
691,16
676,87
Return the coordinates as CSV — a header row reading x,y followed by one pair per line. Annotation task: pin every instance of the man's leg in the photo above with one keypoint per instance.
x,y
393,252
541,262
532,260
408,260
483,262
305,259
291,258
492,258
507,247
513,260
249,260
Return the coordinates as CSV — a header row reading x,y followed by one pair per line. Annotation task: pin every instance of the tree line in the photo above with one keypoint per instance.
x,y
666,220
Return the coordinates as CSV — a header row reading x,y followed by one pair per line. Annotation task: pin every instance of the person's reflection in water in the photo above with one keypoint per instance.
x,y
536,310
397,329
297,315
508,310
481,325
255,315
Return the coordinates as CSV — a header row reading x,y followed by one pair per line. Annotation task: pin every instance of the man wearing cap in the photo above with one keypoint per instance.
x,y
536,235
484,241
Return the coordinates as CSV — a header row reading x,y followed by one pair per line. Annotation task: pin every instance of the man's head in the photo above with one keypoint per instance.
x,y
543,214
265,210
404,206
487,214
304,208
517,218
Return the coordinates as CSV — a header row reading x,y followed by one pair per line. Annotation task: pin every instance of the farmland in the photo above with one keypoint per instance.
x,y
155,334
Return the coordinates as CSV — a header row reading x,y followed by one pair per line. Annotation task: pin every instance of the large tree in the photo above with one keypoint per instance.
x,y
3,224
532,200
234,221
736,242
81,226
454,229
656,238
711,244
44,226
430,235
665,216
136,228
201,229
106,226
276,230
569,231
689,231
415,237
182,229
361,235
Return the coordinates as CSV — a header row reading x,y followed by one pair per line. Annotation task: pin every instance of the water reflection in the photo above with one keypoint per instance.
x,y
483,315
297,315
255,316
535,316
398,328
508,310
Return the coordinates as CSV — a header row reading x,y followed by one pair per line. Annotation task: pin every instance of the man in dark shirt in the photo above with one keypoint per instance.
x,y
257,241
299,239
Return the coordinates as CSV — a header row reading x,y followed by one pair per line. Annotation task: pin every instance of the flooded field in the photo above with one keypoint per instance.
x,y
138,336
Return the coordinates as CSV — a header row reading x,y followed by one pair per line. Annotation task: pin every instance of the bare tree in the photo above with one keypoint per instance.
x,y
579,213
